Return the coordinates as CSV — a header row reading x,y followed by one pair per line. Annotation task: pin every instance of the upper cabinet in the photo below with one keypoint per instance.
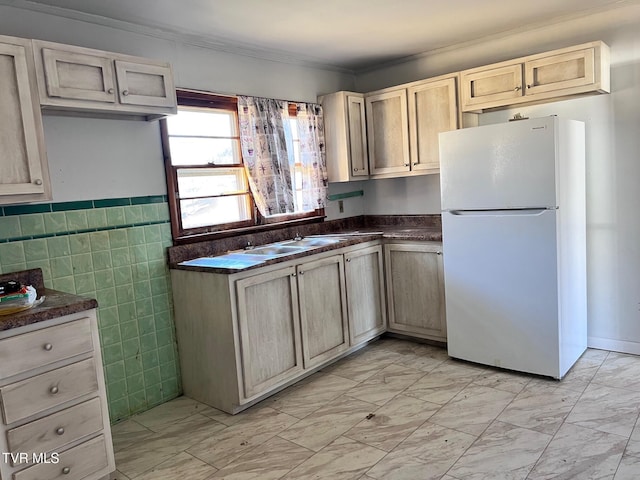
x,y
24,175
403,124
345,136
551,75
103,83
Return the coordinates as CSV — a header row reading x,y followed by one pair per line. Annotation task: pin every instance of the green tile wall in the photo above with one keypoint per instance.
x,y
113,250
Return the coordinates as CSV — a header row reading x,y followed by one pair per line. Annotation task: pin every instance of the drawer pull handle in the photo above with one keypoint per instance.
x,y
66,470
48,347
125,92
60,431
53,390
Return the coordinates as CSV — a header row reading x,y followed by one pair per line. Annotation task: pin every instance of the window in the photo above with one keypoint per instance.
x,y
207,182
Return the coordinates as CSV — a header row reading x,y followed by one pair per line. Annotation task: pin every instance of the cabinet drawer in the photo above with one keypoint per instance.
x,y
75,464
30,350
25,398
52,432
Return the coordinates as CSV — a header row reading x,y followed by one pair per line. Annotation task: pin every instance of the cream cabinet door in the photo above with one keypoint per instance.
x,y
415,290
143,84
78,76
388,132
489,87
268,324
23,171
558,72
357,136
366,306
432,109
323,312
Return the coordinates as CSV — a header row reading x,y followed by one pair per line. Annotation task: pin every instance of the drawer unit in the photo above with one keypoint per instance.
x,y
54,431
36,394
74,464
25,352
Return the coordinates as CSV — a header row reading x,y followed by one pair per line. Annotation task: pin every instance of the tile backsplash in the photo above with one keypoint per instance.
x,y
113,250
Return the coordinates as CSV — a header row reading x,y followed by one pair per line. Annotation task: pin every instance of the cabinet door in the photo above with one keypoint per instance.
x,y
490,87
388,132
357,136
22,161
323,313
268,324
432,109
557,72
415,290
145,84
78,76
366,307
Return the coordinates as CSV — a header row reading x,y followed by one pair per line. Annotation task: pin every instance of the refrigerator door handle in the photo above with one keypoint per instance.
x,y
504,212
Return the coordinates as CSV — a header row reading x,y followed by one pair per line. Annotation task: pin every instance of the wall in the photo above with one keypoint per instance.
x,y
100,236
613,170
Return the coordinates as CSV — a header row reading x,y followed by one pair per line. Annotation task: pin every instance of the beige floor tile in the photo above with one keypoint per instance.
x,y
223,417
386,384
393,422
328,423
309,397
473,409
540,407
118,475
579,378
444,382
354,369
179,467
608,409
628,469
170,412
621,371
580,453
128,433
223,447
175,438
502,380
503,452
375,353
270,461
344,459
426,454
421,357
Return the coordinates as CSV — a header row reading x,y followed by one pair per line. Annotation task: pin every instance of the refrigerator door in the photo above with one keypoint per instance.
x,y
499,166
501,288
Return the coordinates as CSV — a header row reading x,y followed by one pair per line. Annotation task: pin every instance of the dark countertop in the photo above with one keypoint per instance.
x,y
56,304
351,237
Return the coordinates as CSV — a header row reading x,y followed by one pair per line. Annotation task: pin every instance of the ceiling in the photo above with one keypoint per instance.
x,y
346,34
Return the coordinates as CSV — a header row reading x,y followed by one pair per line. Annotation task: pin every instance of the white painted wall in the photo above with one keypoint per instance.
x,y
94,158
613,170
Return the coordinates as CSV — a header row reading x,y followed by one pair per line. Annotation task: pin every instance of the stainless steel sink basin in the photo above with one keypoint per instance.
x,y
313,242
275,250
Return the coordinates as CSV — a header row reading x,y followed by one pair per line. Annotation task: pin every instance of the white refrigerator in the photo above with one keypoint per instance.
x,y
514,244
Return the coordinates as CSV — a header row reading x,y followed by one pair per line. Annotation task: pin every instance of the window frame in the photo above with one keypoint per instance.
x,y
257,223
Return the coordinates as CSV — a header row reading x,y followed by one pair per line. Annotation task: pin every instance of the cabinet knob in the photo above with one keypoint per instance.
x,y
518,88
37,181
300,272
415,163
355,169
53,390
438,253
125,92
348,260
60,431
110,91
66,470
406,164
48,347
293,275
529,86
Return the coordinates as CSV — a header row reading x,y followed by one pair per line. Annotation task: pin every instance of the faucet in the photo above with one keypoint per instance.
x,y
249,246
297,237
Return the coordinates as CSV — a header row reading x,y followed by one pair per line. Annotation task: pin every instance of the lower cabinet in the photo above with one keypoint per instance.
x,y
366,306
243,336
415,290
54,420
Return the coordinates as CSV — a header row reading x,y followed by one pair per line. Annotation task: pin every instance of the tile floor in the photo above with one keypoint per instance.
x,y
399,410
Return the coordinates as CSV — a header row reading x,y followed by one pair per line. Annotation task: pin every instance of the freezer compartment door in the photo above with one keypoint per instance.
x,y
497,166
501,288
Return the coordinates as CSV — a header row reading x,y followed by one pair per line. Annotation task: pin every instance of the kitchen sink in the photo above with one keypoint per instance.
x,y
275,250
313,242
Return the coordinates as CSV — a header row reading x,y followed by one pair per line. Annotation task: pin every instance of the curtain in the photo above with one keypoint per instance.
x,y
263,122
311,179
